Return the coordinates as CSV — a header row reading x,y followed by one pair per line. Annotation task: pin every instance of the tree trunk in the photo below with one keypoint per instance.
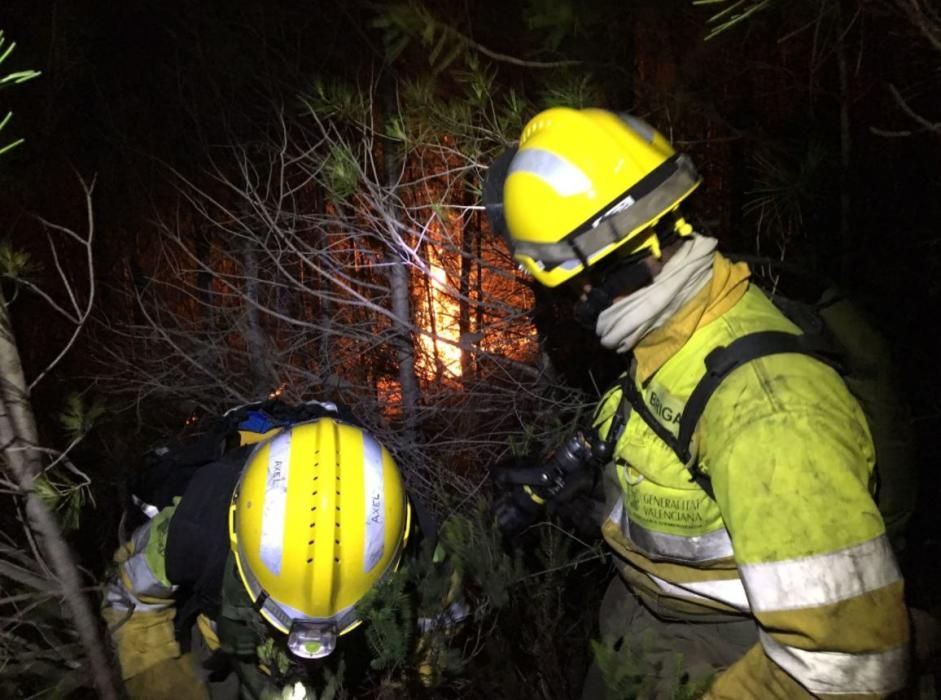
x,y
467,264
399,278
19,440
263,379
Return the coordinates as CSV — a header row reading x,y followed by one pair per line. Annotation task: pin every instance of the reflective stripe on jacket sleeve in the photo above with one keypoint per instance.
x,y
141,578
821,579
138,600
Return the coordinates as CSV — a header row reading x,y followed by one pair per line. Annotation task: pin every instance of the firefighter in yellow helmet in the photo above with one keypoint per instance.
x,y
755,549
269,550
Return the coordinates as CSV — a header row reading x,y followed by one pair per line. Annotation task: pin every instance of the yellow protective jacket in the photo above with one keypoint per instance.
x,y
139,609
793,537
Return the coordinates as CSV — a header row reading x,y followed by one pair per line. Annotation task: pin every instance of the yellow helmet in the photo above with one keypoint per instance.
x,y
319,516
584,183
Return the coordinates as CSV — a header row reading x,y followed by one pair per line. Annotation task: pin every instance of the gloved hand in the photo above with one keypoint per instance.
x,y
518,506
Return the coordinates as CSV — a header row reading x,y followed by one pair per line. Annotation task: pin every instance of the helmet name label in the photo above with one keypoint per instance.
x,y
374,507
276,496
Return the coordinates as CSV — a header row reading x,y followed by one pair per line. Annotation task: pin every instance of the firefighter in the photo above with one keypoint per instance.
x,y
762,558
269,551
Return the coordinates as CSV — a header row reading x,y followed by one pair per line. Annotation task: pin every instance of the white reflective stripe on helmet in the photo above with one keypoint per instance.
x,y
822,579
565,178
375,506
642,128
275,506
838,673
727,591
696,548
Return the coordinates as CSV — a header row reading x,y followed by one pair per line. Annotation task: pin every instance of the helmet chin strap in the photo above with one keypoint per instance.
x,y
624,279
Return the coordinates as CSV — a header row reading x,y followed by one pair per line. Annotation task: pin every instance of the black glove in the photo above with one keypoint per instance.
x,y
518,506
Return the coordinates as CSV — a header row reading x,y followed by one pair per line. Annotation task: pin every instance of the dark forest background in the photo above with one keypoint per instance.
x,y
284,200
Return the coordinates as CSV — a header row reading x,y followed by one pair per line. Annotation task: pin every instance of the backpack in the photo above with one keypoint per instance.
x,y
836,332
168,466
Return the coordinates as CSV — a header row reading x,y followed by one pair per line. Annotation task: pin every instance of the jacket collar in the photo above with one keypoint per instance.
x,y
728,284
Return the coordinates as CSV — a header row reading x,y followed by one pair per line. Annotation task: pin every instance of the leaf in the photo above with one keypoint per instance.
x,y
558,20
396,44
573,90
342,171
428,33
395,128
15,263
388,615
47,492
456,49
438,47
15,78
729,16
77,418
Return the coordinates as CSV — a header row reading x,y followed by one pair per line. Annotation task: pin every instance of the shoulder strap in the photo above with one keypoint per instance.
x,y
724,360
630,394
721,362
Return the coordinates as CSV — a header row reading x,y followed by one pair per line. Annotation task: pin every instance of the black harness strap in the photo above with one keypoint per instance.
x,y
724,360
721,362
632,395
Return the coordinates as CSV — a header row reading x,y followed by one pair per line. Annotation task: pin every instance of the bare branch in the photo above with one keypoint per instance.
x,y
81,312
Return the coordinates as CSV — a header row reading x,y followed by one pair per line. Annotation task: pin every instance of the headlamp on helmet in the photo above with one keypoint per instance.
x,y
312,640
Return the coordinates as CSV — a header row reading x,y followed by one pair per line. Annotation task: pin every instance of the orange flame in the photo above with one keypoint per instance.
x,y
443,325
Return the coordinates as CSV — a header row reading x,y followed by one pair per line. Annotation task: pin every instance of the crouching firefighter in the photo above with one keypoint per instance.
x,y
250,582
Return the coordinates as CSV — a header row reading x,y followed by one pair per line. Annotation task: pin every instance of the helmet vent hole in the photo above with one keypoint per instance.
x,y
310,561
310,541
336,559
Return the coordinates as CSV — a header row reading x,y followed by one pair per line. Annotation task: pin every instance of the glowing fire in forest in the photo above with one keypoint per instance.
x,y
443,325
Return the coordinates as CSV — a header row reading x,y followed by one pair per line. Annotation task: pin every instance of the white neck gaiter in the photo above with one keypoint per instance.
x,y
622,325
